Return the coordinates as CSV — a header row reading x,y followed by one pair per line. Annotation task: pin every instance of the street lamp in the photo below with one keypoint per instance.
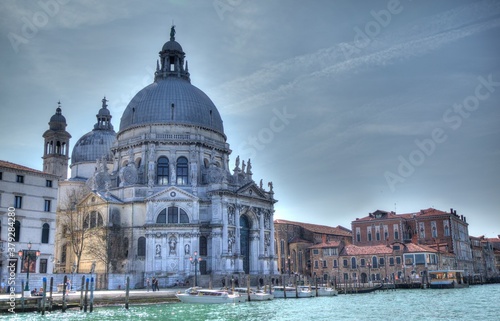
x,y
196,260
26,255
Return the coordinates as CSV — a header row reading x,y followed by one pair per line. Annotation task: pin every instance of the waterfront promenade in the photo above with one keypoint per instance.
x,y
101,297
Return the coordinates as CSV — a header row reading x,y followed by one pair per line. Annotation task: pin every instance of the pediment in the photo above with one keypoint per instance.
x,y
251,190
172,193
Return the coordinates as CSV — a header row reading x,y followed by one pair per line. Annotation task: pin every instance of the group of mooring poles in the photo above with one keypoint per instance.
x,y
86,299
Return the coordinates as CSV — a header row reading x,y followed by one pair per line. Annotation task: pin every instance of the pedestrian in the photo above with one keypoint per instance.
x,y
153,280
157,286
147,284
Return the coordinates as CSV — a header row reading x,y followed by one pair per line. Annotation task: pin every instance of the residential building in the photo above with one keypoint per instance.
x,y
294,241
28,201
447,232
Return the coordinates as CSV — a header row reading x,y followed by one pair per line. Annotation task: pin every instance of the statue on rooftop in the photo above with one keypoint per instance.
x,y
172,33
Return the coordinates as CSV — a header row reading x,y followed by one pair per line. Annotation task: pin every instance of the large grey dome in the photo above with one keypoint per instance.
x,y
97,143
172,100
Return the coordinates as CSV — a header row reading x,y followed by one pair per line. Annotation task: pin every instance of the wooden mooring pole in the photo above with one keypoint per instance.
x,y
44,295
127,290
50,294
86,295
91,294
81,293
64,294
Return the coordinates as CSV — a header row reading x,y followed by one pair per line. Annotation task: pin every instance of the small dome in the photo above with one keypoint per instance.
x,y
57,121
172,45
103,112
97,143
93,145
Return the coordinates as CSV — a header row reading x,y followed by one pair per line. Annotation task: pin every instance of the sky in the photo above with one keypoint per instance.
x,y
346,106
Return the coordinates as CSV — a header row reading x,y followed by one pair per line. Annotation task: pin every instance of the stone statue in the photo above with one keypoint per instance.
x,y
249,167
260,183
172,242
230,241
270,184
158,250
172,33
186,249
152,152
243,165
237,163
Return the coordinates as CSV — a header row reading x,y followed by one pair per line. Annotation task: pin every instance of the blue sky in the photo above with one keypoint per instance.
x,y
347,106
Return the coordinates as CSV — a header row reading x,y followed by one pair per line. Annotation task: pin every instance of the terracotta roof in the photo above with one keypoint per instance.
x,y
389,215
384,249
325,245
321,229
366,250
18,167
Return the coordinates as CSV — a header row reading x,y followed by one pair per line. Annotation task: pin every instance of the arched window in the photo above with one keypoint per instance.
x,y
17,230
353,263
175,215
93,219
362,262
45,233
162,171
182,171
203,246
162,217
374,262
141,246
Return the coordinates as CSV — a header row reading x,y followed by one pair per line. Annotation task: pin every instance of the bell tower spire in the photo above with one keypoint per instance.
x,y
56,145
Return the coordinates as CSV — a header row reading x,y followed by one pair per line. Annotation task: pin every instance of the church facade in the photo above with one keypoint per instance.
x,y
163,192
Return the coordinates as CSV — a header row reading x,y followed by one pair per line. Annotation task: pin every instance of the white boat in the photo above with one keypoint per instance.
x,y
255,295
440,279
326,291
291,292
199,295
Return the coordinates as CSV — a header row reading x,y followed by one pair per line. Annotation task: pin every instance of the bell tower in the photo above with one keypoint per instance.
x,y
56,146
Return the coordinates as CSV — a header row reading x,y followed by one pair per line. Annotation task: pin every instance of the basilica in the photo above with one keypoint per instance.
x,y
161,190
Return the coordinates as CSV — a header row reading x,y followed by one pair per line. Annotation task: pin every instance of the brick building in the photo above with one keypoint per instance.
x,y
446,232
293,241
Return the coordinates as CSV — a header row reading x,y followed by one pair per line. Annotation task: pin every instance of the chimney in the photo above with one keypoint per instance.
x,y
451,210
323,238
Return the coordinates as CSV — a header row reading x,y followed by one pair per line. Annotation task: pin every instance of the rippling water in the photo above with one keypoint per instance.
x,y
474,303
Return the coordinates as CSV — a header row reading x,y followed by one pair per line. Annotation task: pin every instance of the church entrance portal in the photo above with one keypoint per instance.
x,y
245,242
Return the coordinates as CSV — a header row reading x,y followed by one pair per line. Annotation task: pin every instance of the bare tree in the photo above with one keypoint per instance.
x,y
73,216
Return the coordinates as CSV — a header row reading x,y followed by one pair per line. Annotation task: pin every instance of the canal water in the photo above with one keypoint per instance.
x,y
481,302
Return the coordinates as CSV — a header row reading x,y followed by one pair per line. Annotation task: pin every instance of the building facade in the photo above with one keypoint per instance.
x,y
447,232
294,241
28,201
163,189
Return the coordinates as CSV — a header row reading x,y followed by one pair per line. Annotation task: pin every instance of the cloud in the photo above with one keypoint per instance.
x,y
268,85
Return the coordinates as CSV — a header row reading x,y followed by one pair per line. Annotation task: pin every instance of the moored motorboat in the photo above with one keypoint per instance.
x,y
200,295
255,295
326,291
292,292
